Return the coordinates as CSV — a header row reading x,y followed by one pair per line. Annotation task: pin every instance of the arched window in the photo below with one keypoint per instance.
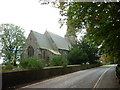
x,y
30,51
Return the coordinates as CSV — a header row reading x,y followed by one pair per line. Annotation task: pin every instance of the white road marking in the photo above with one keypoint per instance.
x,y
98,81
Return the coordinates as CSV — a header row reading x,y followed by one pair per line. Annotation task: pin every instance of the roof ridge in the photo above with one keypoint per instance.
x,y
54,34
36,32
61,42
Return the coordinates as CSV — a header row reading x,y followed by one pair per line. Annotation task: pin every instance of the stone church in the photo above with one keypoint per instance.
x,y
46,45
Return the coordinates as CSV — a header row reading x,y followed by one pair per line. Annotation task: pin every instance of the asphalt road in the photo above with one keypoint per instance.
x,y
100,77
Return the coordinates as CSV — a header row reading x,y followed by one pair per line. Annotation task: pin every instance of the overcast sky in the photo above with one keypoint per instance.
x,y
30,15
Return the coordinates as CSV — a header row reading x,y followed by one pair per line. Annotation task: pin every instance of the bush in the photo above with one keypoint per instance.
x,y
32,63
58,61
8,67
24,63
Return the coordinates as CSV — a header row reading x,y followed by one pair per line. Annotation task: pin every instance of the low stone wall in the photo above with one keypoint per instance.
x,y
10,79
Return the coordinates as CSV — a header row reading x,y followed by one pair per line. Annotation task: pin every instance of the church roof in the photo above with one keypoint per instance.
x,y
61,43
44,42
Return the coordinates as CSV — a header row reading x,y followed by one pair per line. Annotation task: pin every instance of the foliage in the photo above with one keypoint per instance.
x,y
76,56
106,59
101,21
58,61
32,63
12,42
82,52
118,68
24,63
7,67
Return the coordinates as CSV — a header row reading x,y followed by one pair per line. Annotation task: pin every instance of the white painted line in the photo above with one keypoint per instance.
x,y
98,81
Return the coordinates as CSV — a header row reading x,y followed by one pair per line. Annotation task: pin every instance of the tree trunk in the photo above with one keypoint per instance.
x,y
14,62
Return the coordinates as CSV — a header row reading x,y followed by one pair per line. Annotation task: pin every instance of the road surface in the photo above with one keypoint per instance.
x,y
100,77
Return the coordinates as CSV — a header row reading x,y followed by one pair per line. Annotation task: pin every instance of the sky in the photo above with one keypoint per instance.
x,y
31,15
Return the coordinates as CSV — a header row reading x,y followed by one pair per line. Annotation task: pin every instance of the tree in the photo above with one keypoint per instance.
x,y
82,52
12,42
101,21
76,56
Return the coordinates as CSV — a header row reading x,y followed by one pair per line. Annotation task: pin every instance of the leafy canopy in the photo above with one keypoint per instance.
x,y
101,21
82,52
12,42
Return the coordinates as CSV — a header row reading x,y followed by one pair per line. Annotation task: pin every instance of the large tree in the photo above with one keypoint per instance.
x,y
101,21
82,52
12,42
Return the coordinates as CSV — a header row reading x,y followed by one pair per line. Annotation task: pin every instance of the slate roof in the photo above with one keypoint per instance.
x,y
61,43
43,41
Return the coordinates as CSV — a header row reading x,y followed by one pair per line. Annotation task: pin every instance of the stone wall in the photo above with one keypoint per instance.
x,y
10,80
31,41
64,53
38,52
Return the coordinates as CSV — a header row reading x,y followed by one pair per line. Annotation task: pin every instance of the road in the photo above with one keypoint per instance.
x,y
100,77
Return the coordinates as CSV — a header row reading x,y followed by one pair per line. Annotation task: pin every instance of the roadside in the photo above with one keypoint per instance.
x,y
82,79
109,79
14,79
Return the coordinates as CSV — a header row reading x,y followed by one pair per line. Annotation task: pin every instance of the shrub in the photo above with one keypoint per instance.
x,y
32,63
35,63
58,61
24,63
8,67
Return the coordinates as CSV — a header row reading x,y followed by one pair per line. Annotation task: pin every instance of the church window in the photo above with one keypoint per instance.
x,y
30,51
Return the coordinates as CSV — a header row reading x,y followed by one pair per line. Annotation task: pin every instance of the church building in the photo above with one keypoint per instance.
x,y
46,45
